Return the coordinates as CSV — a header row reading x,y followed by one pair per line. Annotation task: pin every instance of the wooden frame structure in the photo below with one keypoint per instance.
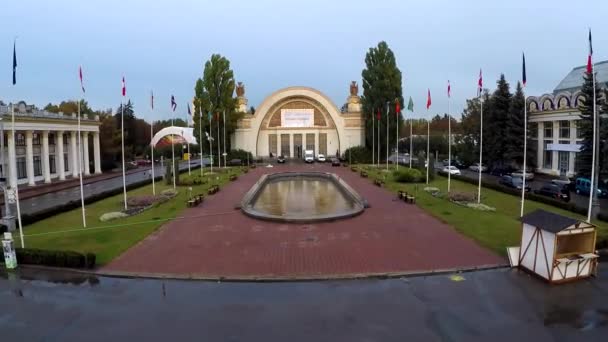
x,y
555,247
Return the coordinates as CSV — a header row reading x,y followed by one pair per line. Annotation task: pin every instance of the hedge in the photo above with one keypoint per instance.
x,y
32,256
407,175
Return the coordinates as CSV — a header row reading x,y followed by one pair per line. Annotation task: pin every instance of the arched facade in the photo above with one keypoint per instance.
x,y
324,129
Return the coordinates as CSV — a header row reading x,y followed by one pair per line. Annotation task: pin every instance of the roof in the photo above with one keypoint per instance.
x,y
548,221
574,80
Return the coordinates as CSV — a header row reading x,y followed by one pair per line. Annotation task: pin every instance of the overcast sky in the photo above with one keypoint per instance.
x,y
163,45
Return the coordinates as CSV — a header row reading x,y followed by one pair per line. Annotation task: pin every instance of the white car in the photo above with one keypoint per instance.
x,y
321,158
309,156
520,173
475,167
453,170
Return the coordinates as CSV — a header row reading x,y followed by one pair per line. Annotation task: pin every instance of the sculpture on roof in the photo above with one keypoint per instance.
x,y
354,88
240,89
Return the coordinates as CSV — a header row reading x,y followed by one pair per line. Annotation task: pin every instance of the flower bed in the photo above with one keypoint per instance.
x,y
137,204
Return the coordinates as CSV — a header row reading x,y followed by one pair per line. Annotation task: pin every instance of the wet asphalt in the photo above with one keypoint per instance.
x,y
493,305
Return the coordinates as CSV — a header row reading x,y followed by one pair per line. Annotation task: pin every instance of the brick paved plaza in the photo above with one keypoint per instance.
x,y
217,240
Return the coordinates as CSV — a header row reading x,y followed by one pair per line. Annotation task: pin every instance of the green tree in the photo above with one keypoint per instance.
x,y
584,157
214,94
467,148
496,139
128,129
381,88
516,126
69,107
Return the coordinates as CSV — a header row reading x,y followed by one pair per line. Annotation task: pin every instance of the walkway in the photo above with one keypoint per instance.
x,y
217,240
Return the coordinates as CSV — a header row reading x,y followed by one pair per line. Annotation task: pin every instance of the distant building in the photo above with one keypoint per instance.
x,y
555,121
45,145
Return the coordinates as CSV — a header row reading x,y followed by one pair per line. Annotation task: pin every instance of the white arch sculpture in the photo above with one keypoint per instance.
x,y
187,133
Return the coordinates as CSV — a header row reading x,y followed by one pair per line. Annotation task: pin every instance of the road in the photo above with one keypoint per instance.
x,y
46,201
495,305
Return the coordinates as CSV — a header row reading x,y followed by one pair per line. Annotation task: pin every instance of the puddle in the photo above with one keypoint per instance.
x,y
576,318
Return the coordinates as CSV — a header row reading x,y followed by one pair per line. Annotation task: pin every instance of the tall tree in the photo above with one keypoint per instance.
x,y
214,93
468,147
584,157
495,132
381,84
515,131
129,127
69,107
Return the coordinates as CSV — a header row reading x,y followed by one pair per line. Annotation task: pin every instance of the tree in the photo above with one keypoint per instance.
x,y
496,139
515,131
109,140
214,96
381,88
69,107
128,129
584,157
468,147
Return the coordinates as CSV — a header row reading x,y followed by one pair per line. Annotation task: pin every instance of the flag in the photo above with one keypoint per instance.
x,y
152,99
124,87
173,104
189,112
397,107
209,116
14,63
190,118
378,115
479,84
523,69
428,100
449,89
410,105
80,75
589,62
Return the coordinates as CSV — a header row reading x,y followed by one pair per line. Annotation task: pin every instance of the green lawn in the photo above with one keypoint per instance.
x,y
494,230
65,232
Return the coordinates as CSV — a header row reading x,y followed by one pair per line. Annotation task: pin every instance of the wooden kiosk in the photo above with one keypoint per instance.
x,y
555,247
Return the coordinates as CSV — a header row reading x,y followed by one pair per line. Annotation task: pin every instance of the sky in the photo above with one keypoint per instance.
x,y
163,45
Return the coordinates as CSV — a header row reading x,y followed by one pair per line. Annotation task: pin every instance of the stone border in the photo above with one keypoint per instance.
x,y
254,191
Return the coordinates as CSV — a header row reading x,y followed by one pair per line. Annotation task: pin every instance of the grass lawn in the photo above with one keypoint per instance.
x,y
493,230
114,237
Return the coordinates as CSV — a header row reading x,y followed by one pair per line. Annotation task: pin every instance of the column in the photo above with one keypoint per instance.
x,y
45,157
74,148
540,154
59,161
555,157
85,147
12,159
96,155
290,146
29,157
316,144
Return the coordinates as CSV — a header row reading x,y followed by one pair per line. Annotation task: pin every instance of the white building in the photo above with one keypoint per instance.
x,y
554,118
44,147
292,120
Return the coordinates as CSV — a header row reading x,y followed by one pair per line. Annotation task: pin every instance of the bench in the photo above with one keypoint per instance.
x,y
378,182
195,200
402,195
213,189
233,177
363,174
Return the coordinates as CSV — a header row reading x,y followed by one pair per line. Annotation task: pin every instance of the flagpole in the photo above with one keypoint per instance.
x,y
200,143
428,145
16,186
523,186
449,141
173,151
378,145
152,146
387,136
210,143
397,115
411,142
373,139
224,116
84,220
219,157
592,191
480,147
122,143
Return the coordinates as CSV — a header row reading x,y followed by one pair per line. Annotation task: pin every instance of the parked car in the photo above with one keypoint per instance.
x,y
454,162
402,159
453,170
309,156
520,173
143,162
475,167
582,186
281,159
501,171
321,158
235,162
335,162
513,182
554,191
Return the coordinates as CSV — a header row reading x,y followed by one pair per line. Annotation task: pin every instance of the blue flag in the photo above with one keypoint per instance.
x,y
14,63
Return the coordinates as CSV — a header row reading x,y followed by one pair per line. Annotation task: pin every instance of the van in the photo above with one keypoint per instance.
x,y
583,187
309,156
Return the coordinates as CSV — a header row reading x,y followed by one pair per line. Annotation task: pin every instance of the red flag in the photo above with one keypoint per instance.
x,y
378,115
80,74
124,87
397,107
479,84
449,89
428,100
589,58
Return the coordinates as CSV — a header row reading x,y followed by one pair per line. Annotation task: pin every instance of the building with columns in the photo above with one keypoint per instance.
x,y
554,120
292,120
44,147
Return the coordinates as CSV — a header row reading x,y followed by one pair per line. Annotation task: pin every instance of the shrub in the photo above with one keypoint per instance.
x,y
240,154
112,216
43,257
193,179
142,200
456,196
406,175
480,207
169,193
358,155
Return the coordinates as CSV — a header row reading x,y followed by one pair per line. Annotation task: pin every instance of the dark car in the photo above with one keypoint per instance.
x,y
335,162
235,162
513,182
501,171
281,159
554,191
